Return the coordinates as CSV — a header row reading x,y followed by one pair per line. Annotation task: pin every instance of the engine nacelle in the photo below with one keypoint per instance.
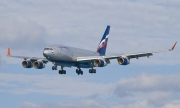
x,y
123,60
38,65
100,63
27,64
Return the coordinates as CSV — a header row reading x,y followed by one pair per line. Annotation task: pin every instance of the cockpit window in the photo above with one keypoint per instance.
x,y
48,49
64,47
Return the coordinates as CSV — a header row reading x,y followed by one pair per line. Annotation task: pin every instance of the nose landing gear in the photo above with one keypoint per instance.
x,y
54,67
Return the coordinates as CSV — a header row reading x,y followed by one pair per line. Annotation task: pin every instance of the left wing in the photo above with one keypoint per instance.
x,y
128,56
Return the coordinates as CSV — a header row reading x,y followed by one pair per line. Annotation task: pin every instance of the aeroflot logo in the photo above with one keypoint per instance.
x,y
103,42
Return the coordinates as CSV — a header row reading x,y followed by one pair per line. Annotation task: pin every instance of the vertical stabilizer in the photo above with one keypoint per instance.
x,y
103,43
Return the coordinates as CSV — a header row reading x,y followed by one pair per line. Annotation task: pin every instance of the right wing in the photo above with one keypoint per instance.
x,y
44,60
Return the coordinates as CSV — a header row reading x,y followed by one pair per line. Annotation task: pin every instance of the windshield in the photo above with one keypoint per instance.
x,y
48,48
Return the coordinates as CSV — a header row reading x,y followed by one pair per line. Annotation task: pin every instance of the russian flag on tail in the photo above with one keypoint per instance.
x,y
103,43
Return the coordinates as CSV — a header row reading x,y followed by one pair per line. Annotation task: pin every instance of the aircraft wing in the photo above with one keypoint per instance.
x,y
129,56
27,58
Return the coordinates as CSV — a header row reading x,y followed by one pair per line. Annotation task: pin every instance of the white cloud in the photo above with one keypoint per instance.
x,y
136,25
140,104
96,104
145,104
2,61
147,89
21,33
139,91
54,85
69,104
174,104
29,105
146,83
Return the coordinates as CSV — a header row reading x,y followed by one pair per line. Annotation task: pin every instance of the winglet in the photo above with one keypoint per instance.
x,y
9,52
173,46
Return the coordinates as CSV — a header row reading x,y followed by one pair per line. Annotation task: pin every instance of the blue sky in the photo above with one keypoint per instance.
x,y
136,25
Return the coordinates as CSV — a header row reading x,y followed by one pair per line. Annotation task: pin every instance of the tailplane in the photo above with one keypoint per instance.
x,y
103,43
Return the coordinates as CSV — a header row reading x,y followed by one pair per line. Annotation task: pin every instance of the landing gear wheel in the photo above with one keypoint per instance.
x,y
54,67
79,71
60,72
92,71
64,71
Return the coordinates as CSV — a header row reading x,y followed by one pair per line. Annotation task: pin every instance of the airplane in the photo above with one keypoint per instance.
x,y
65,56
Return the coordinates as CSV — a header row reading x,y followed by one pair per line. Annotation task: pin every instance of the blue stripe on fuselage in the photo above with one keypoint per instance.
x,y
73,63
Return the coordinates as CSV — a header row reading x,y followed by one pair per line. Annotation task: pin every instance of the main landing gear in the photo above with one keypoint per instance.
x,y
92,70
79,71
62,71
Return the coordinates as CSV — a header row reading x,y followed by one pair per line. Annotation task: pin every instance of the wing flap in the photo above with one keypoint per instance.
x,y
130,56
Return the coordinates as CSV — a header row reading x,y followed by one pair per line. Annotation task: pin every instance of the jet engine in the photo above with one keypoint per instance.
x,y
38,65
123,60
100,63
27,64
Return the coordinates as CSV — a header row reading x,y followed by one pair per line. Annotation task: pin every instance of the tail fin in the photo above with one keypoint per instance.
x,y
103,43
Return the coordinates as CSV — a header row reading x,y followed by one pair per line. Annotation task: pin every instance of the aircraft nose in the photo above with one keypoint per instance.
x,y
45,53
